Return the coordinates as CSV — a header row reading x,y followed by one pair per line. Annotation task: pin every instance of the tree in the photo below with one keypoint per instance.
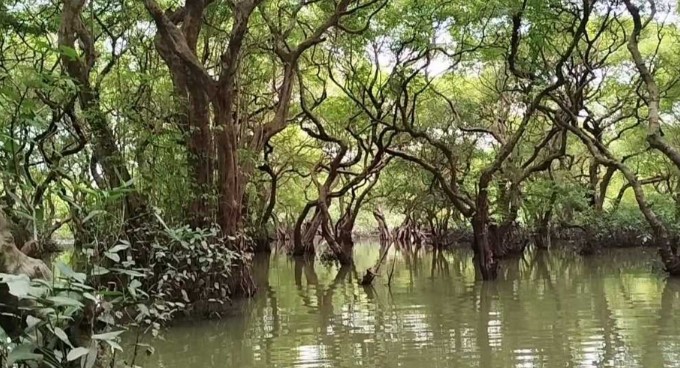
x,y
239,124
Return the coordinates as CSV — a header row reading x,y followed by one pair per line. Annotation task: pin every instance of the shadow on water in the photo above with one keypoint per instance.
x,y
547,309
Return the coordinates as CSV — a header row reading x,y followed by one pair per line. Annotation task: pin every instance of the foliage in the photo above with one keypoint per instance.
x,y
190,266
171,139
60,316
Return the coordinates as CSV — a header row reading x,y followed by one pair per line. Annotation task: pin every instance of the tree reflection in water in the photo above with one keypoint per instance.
x,y
544,310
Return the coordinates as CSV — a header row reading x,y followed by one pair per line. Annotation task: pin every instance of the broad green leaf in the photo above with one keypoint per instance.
x,y
19,285
69,52
23,353
31,322
64,301
143,309
132,273
107,335
114,345
92,214
68,272
112,256
98,271
62,336
118,248
91,358
76,353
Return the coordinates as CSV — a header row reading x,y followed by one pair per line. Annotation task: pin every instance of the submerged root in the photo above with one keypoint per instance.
x,y
262,245
670,261
372,273
368,278
509,239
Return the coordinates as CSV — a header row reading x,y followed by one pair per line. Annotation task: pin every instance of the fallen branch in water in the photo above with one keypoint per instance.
x,y
371,274
389,277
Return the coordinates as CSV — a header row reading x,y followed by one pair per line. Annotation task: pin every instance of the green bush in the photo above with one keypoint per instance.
x,y
63,322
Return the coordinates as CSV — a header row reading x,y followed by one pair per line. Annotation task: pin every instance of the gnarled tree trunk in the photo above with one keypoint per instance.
x,y
485,259
384,231
304,233
343,235
106,152
14,262
667,250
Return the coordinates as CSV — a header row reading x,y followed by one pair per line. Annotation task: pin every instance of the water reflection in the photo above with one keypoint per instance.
x,y
545,310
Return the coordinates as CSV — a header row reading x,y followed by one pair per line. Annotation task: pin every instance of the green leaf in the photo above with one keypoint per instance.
x,y
31,322
19,285
76,353
92,215
119,247
91,358
23,353
98,271
114,345
185,296
135,284
90,297
143,309
69,52
128,272
68,272
42,45
64,301
62,336
107,335
107,318
112,256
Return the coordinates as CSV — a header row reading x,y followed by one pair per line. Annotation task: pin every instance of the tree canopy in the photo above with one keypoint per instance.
x,y
171,139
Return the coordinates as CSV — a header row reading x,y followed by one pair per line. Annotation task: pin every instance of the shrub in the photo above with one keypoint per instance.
x,y
63,322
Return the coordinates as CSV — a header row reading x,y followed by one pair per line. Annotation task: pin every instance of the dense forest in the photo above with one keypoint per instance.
x,y
151,148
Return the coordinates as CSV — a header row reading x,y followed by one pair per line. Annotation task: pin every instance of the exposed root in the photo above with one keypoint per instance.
x,y
508,239
368,278
14,261
671,262
371,273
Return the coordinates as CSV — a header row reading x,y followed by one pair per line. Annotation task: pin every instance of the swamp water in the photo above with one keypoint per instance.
x,y
559,310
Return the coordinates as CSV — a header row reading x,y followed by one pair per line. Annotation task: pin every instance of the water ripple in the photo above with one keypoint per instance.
x,y
603,311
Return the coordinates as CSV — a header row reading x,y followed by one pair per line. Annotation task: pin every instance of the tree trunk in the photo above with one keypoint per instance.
x,y
304,233
106,152
261,240
385,237
342,252
484,255
403,232
604,186
593,178
371,273
667,250
343,236
543,235
15,262
262,235
194,120
543,239
339,239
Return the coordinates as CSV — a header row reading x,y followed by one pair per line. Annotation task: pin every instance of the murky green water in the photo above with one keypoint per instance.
x,y
545,311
